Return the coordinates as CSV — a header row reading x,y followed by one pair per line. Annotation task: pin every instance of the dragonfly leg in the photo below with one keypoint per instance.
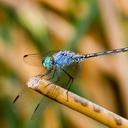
x,y
70,81
53,74
45,74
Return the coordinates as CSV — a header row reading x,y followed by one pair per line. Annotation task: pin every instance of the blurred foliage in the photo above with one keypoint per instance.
x,y
82,26
6,23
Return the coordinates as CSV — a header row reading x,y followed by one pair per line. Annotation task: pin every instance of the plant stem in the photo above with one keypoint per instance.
x,y
77,103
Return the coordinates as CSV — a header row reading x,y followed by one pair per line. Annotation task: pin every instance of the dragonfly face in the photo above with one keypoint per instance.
x,y
48,63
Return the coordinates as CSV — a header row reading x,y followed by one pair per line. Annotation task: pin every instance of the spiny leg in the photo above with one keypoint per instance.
x,y
45,74
53,76
70,81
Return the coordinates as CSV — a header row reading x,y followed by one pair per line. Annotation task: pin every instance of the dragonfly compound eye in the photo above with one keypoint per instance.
x,y
48,63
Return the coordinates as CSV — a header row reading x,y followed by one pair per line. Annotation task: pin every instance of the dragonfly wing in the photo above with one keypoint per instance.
x,y
33,59
73,70
36,59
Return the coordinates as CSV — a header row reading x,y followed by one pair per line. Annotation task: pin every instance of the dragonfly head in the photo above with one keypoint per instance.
x,y
48,62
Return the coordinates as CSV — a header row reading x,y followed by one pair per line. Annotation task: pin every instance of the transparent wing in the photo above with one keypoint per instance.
x,y
73,70
36,59
33,59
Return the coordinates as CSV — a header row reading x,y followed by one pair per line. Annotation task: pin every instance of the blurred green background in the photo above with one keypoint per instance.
x,y
83,26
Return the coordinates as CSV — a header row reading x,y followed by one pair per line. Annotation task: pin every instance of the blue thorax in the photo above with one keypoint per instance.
x,y
63,58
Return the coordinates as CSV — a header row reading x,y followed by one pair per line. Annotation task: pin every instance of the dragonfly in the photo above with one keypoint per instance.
x,y
56,62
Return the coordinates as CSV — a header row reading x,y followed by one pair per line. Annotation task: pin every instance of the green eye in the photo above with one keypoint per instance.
x,y
47,63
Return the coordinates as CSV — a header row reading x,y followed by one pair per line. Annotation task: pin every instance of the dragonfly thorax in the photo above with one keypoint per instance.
x,y
48,62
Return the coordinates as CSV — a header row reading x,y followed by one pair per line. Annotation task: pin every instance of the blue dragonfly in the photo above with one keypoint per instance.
x,y
56,62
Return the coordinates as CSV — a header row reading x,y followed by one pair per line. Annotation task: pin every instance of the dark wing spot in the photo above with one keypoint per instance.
x,y
25,56
16,98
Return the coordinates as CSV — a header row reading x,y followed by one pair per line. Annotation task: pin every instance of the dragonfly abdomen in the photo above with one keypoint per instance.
x,y
64,57
114,51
